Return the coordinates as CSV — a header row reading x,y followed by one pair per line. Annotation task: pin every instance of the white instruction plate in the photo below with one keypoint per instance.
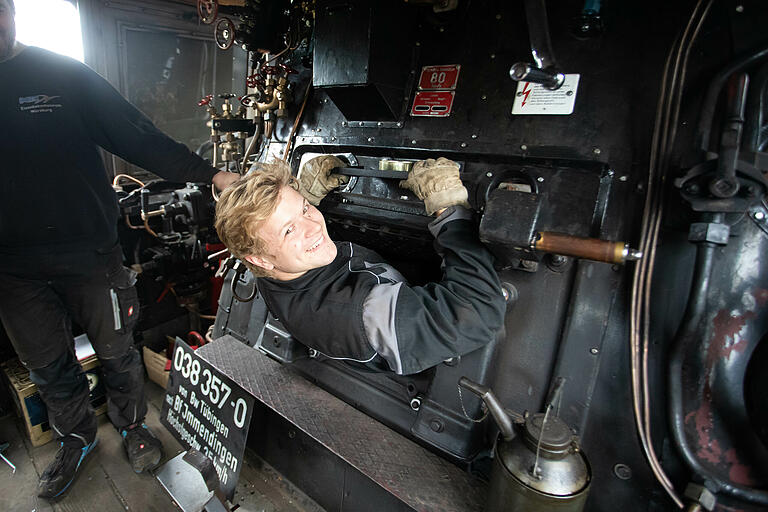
x,y
534,99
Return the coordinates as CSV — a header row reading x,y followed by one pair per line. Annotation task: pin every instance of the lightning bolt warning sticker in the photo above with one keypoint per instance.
x,y
533,99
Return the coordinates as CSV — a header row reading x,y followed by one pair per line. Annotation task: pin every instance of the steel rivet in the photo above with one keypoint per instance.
x,y
758,215
623,178
593,350
370,139
739,8
463,144
540,179
343,123
362,123
379,123
413,141
483,97
489,174
474,136
399,125
597,151
523,147
622,471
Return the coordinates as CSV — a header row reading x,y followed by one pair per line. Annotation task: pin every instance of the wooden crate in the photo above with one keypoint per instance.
x,y
30,406
155,364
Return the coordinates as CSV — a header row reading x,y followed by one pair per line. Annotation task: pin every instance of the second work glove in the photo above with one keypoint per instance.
x,y
316,179
437,183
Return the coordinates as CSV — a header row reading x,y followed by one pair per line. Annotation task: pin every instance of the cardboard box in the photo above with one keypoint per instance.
x,y
155,364
30,406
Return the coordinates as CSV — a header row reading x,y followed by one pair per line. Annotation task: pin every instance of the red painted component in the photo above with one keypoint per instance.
x,y
254,80
439,77
432,104
205,100
208,10
269,70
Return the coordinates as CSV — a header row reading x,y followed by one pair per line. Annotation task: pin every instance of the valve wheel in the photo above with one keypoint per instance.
x,y
224,33
208,10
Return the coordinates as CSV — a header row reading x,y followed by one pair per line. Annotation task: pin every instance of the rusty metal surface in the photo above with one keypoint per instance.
x,y
414,475
716,416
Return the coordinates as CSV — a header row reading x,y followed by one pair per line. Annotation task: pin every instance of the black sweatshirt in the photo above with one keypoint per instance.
x,y
55,194
359,308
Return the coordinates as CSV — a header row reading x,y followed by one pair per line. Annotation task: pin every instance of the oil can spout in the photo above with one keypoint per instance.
x,y
501,415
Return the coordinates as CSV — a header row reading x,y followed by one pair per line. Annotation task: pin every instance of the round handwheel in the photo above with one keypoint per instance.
x,y
207,10
224,33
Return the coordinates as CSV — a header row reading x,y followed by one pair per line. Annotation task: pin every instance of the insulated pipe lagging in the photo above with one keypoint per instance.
x,y
686,339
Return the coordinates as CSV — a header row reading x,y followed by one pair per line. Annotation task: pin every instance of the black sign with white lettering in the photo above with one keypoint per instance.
x,y
207,411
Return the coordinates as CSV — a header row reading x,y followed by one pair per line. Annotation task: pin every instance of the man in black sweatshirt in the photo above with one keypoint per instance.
x,y
344,300
60,258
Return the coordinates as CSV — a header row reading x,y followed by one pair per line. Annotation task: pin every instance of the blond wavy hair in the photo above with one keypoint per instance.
x,y
246,204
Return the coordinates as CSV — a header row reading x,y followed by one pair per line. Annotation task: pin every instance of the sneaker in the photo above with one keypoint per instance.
x,y
143,448
60,473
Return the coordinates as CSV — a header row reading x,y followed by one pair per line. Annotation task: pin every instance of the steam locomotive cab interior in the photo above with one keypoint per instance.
x,y
615,158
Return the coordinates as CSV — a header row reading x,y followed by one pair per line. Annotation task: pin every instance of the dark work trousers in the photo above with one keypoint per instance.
x,y
37,307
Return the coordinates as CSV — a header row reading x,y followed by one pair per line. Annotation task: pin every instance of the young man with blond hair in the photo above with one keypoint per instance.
x,y
344,300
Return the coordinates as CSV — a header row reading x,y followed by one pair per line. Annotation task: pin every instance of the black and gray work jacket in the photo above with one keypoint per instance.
x,y
361,309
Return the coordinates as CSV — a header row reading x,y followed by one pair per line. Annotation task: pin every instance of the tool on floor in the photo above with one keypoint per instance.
x,y
3,446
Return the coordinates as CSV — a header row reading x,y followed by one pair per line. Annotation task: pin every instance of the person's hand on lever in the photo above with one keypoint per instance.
x,y
437,183
316,178
223,179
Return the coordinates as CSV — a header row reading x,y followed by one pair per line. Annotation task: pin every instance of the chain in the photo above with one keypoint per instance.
x,y
485,409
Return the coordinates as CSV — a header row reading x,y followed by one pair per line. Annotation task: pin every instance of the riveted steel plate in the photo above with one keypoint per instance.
x,y
416,476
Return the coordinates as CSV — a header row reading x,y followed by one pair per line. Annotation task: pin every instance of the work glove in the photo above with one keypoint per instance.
x,y
437,183
316,180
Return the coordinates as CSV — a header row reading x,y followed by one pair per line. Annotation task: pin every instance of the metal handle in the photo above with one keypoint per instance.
x,y
524,72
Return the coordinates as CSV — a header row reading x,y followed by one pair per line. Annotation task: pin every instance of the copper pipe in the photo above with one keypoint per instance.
x,y
587,248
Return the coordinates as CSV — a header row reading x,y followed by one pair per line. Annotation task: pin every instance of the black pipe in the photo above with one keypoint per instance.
x,y
713,92
686,339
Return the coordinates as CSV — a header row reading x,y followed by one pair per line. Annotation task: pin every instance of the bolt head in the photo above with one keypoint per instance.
x,y
758,215
463,144
489,174
597,151
413,141
623,178
593,351
540,179
523,147
474,136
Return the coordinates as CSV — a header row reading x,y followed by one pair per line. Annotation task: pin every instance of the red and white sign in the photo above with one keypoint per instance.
x,y
432,103
439,77
534,99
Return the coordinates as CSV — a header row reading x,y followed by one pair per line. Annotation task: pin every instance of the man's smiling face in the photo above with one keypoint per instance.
x,y
296,237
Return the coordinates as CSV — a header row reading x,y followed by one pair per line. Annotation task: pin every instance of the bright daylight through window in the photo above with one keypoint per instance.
x,y
50,24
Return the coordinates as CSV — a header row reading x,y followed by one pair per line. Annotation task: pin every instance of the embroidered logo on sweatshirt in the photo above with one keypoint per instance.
x,y
39,104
